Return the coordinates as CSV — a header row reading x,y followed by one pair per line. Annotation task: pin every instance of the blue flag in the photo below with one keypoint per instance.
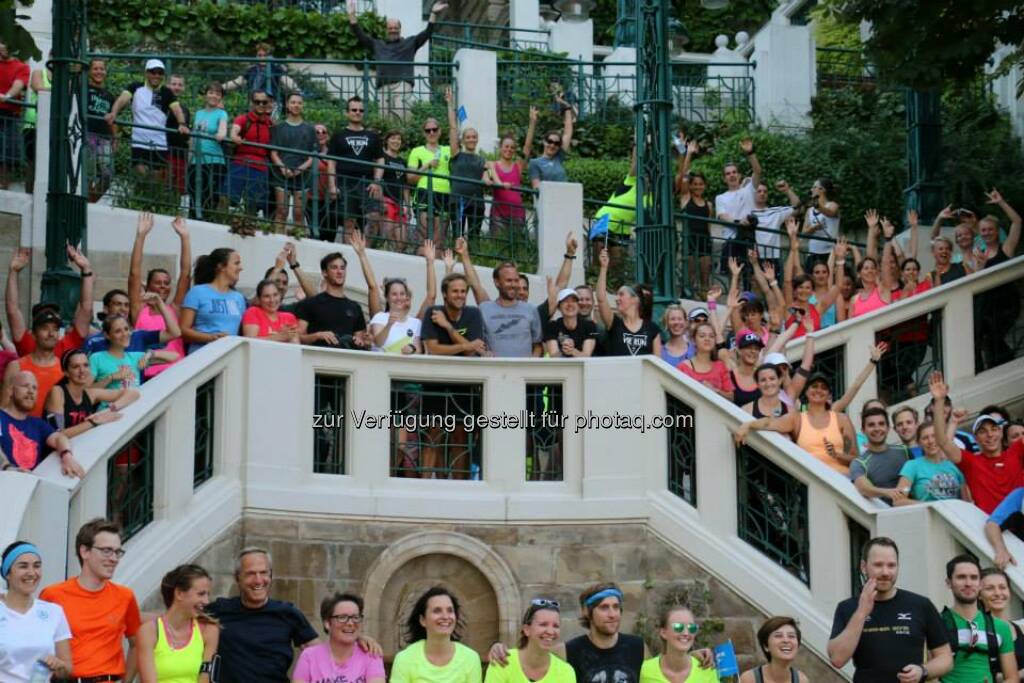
x,y
462,114
600,226
725,660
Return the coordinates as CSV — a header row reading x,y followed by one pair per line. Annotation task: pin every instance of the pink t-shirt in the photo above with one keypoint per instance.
x,y
718,376
316,665
152,320
254,315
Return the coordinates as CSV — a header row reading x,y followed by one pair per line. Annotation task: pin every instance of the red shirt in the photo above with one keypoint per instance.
x,y
12,70
70,340
254,129
717,376
255,315
812,316
992,479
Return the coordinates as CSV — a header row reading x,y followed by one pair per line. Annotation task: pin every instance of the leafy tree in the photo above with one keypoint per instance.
x,y
14,36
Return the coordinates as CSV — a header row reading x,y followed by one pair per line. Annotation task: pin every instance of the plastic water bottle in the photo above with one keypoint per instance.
x,y
40,673
474,472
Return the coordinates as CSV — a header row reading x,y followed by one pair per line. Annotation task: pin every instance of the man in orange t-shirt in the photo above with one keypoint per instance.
x,y
42,362
101,613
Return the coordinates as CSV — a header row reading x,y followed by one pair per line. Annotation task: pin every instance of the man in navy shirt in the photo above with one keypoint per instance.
x,y
26,440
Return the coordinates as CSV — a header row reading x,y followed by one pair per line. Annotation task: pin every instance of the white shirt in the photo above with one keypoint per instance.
x,y
737,204
771,218
150,108
400,335
824,225
26,638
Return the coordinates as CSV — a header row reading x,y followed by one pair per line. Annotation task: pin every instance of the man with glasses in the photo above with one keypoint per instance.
x,y
152,103
982,644
550,164
395,78
355,176
247,179
101,613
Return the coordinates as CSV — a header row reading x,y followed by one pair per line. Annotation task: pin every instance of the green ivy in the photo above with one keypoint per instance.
x,y
207,27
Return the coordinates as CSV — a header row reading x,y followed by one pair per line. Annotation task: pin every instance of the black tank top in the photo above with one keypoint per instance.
x,y
794,675
741,396
758,414
76,413
698,227
1018,645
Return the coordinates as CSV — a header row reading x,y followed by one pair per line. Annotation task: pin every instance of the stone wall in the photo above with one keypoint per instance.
x,y
314,557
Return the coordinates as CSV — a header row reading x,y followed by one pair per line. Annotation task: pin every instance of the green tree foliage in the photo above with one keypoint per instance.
x,y
927,44
701,24
14,36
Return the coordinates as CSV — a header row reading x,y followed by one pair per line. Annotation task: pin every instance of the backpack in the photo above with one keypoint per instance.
x,y
990,638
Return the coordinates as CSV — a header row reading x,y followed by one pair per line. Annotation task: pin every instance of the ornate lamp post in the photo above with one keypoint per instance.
x,y
65,203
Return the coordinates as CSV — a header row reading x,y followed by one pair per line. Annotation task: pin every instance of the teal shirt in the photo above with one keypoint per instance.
x,y
104,364
208,151
933,481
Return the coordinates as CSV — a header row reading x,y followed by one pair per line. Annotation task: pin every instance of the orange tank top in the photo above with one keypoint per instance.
x,y
46,375
812,440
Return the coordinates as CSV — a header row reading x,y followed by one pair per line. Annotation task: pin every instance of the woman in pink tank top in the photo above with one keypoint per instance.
x,y
875,288
508,215
145,316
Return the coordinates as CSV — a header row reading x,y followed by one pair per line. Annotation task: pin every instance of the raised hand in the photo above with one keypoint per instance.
x,y
735,267
994,197
782,186
842,246
714,292
570,243
358,242
792,227
20,259
877,350
692,148
448,96
180,226
871,218
938,387
145,224
429,251
439,7
603,259
76,256
947,213
534,113
747,146
449,259
769,270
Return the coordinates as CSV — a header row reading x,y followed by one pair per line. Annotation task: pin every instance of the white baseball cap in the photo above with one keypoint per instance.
x,y
775,359
566,293
155,64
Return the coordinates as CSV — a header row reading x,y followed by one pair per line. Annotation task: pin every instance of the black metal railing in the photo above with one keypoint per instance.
x,y
329,402
435,431
915,351
682,450
206,424
130,483
998,325
544,432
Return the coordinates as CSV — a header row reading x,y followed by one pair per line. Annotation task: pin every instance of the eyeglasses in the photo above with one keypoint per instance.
x,y
431,130
685,628
557,143
109,552
321,132
544,603
261,102
346,618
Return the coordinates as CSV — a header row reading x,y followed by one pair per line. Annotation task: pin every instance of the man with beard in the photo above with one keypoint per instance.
x,y
877,471
42,363
26,440
454,329
330,318
982,644
884,630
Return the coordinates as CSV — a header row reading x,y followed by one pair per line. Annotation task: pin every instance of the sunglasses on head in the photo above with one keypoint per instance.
x,y
685,628
545,603
431,130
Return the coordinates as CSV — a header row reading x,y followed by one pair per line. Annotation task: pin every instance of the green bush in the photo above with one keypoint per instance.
x,y
600,177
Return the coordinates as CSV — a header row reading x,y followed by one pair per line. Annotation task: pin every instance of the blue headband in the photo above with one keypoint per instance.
x,y
601,595
16,552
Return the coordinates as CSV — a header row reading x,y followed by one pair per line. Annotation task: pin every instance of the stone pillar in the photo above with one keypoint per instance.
x,y
786,73
524,14
575,38
559,210
477,86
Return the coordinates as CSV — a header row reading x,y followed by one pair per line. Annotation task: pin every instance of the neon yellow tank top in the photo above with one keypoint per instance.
x,y
32,115
182,665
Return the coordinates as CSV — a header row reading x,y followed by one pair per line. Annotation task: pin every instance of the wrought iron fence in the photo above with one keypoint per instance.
x,y
433,434
130,483
682,450
449,36
329,411
915,351
206,424
544,432
772,512
840,67
320,6
17,145
998,325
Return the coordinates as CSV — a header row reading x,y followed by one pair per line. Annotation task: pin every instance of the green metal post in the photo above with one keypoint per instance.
x,y
65,204
625,23
924,153
655,235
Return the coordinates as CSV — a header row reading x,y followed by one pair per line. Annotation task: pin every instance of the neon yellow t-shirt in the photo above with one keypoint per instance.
x,y
421,156
621,220
650,672
558,671
412,666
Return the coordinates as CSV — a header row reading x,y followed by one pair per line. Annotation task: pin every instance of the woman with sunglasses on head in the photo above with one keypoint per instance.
x,y
72,405
176,647
677,629
779,639
341,658
630,331
433,653
995,597
35,639
533,659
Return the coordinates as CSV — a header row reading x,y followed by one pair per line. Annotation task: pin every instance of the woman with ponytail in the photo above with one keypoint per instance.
x,y
179,647
73,404
630,331
212,308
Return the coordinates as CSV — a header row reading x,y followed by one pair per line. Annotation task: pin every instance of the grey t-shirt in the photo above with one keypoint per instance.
x,y
511,331
470,166
544,168
298,136
882,468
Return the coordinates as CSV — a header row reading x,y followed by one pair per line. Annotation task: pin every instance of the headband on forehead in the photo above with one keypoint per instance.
x,y
601,595
630,290
16,552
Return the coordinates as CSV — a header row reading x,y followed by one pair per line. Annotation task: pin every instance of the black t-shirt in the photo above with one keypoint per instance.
x,y
363,145
470,325
618,664
257,645
394,178
468,166
955,272
99,102
621,342
584,330
894,636
325,312
176,140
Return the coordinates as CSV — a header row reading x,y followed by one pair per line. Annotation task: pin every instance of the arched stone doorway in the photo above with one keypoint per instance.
x,y
481,580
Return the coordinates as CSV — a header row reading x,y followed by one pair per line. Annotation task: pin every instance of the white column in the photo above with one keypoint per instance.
x,y
559,210
575,38
620,75
42,179
476,79
524,14
786,73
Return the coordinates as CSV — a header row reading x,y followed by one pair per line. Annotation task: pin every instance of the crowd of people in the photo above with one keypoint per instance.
x,y
76,630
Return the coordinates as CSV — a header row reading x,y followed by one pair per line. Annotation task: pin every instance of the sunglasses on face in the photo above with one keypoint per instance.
x,y
685,628
431,130
356,111
261,103
557,143
158,72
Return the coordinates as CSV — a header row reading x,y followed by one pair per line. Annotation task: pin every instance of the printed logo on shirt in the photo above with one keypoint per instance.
x,y
358,144
42,614
904,616
26,451
635,343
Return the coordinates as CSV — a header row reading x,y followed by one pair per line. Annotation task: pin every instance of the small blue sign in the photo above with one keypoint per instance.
x,y
600,226
725,660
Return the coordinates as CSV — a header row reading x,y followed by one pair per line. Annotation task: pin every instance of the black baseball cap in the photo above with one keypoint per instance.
x,y
820,377
44,306
47,316
749,339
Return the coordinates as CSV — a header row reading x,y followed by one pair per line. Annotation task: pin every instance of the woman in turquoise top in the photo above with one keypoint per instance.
x,y
931,477
533,659
678,630
117,367
434,654
208,169
174,648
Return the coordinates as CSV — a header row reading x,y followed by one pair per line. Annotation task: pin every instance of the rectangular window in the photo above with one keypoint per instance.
x,y
205,425
915,351
434,430
329,424
130,483
682,450
544,432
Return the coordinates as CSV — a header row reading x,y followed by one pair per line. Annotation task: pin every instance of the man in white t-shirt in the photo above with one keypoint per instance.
x,y
735,206
771,221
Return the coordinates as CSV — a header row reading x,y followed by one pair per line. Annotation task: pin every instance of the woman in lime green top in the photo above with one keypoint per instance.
x,y
434,654
432,191
533,659
675,664
174,648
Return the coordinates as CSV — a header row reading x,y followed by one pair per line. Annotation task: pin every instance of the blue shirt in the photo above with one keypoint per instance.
x,y
1012,505
208,151
24,441
215,311
545,168
933,481
142,340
